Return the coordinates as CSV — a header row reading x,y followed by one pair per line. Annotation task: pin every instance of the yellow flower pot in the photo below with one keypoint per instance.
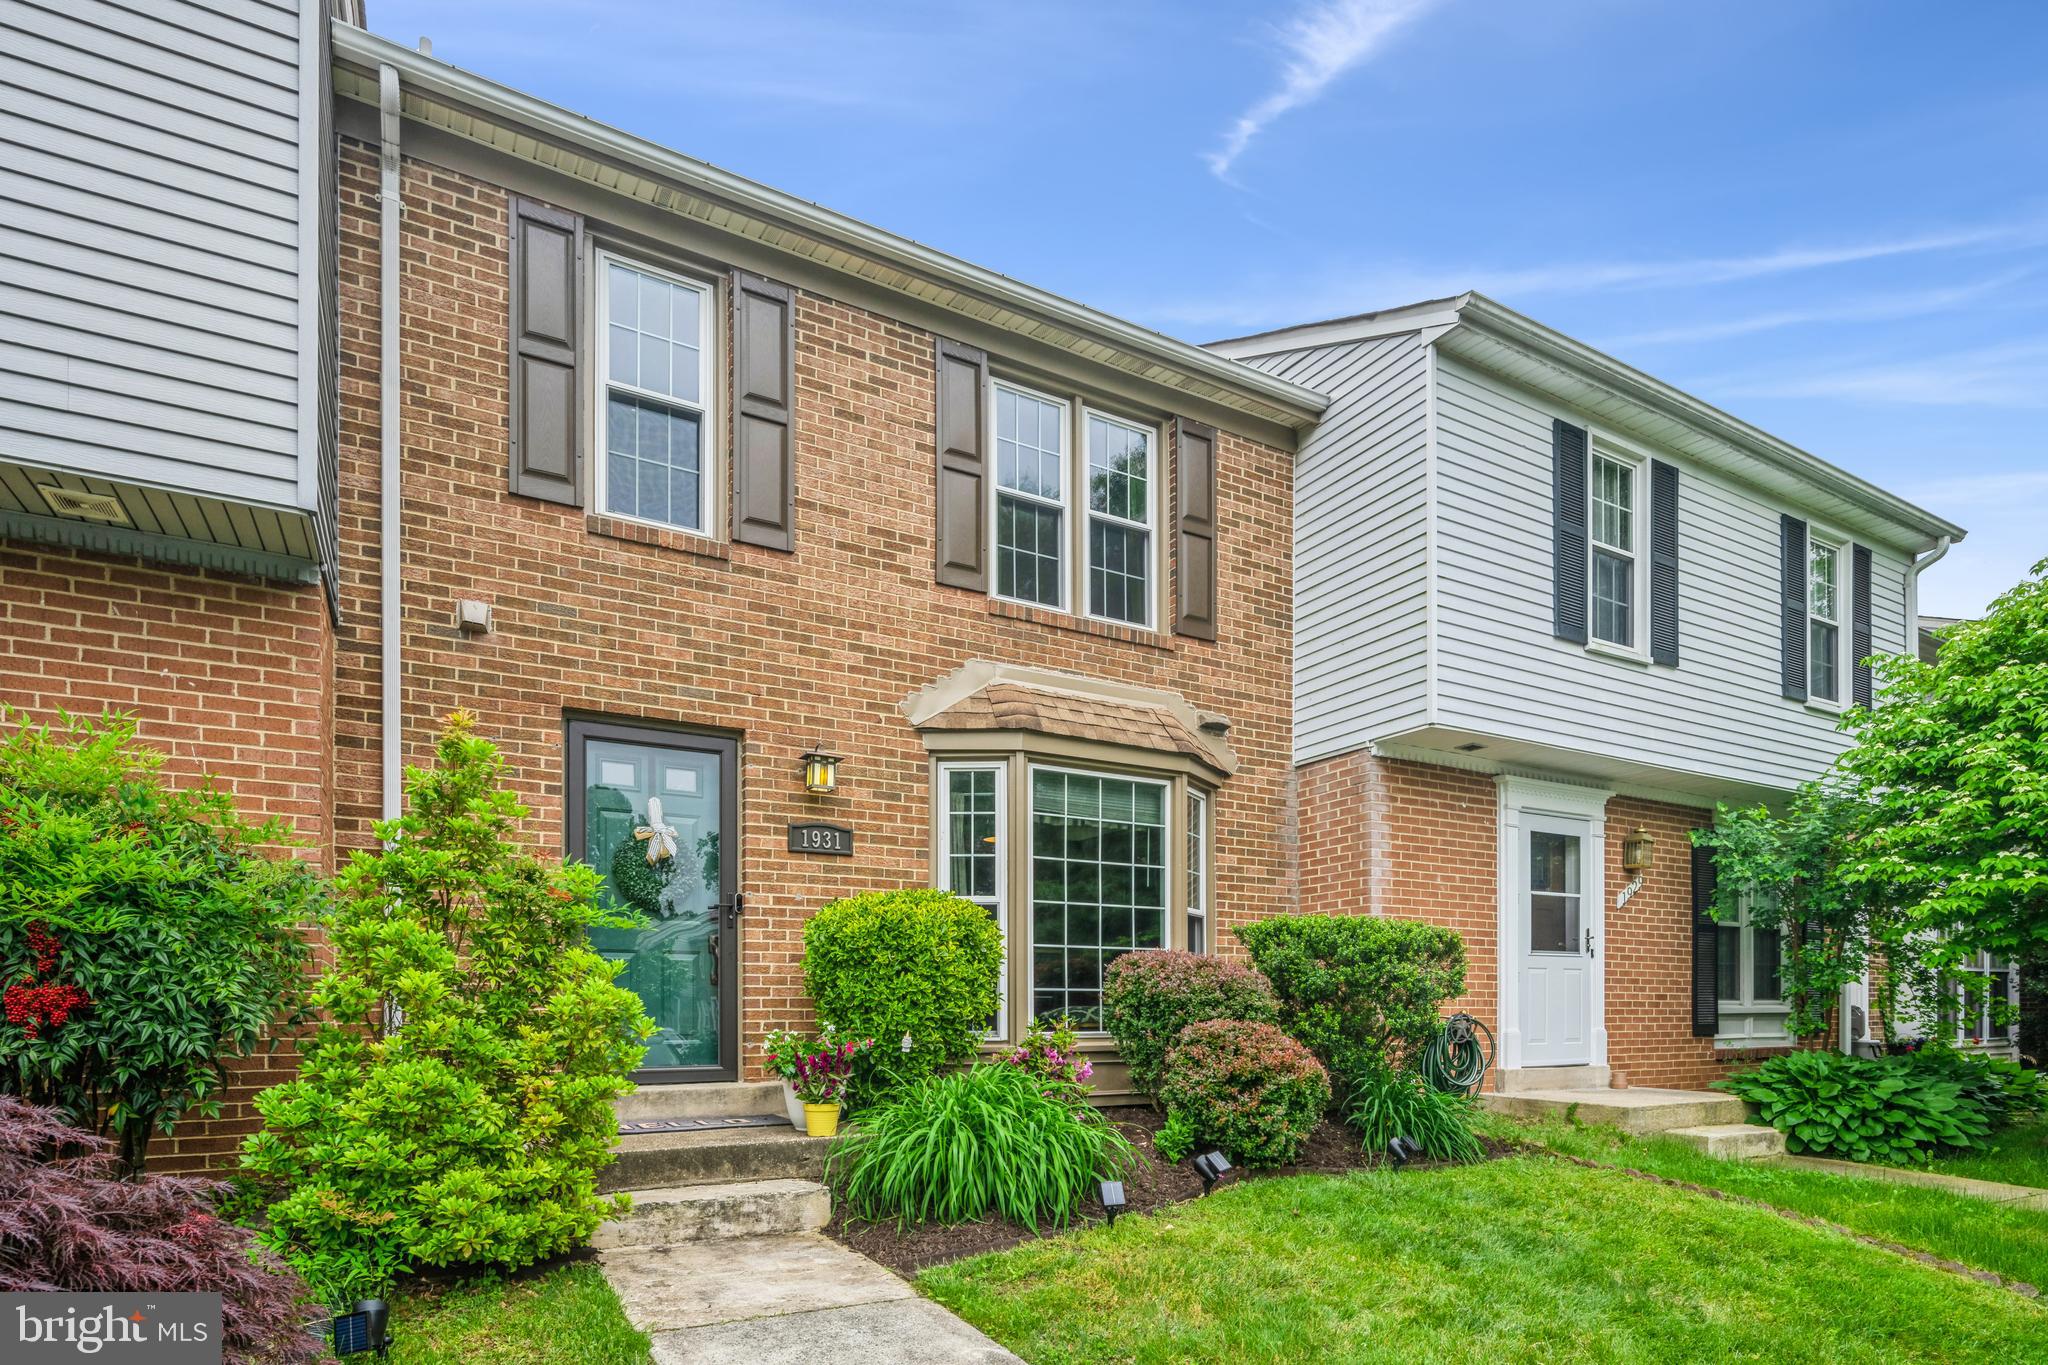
x,y
821,1120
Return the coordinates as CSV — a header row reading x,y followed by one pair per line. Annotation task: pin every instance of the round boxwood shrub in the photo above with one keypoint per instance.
x,y
1360,990
1148,998
1245,1087
916,964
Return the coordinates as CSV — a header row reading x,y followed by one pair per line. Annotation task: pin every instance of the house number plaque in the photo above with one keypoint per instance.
x,y
836,840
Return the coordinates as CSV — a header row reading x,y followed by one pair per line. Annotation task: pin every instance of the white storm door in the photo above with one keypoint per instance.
x,y
1556,945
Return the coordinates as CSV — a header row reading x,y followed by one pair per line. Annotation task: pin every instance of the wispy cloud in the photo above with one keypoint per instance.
x,y
1320,44
1881,308
2011,375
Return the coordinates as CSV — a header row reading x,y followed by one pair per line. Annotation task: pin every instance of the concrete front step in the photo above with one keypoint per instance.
x,y
717,1100
703,1213
1732,1141
1632,1111
1526,1078
652,1161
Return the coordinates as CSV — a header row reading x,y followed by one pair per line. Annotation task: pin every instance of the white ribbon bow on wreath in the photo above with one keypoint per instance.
x,y
659,838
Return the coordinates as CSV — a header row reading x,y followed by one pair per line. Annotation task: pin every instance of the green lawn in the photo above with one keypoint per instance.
x,y
1525,1259
2021,1158
2013,1242
561,1315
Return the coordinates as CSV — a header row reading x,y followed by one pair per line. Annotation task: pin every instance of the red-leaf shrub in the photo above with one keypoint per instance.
x,y
68,1222
1148,998
1245,1087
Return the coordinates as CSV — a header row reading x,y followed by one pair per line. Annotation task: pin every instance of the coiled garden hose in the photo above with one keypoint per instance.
x,y
1457,1058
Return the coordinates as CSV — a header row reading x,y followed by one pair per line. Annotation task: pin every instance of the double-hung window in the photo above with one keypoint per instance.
x,y
1824,621
1198,872
972,846
654,415
1750,961
1031,496
1076,507
1120,487
1614,528
1983,1002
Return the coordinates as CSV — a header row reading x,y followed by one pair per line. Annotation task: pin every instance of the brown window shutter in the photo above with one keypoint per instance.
x,y
1194,461
547,430
763,412
1863,685
962,511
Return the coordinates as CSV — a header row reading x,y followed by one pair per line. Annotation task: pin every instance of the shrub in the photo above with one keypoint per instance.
x,y
1246,1087
458,1106
1385,1103
1867,1110
144,936
2005,1091
890,965
1148,998
991,1139
70,1222
1359,990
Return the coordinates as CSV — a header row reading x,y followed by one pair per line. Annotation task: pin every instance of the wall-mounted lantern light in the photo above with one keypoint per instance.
x,y
821,770
1636,850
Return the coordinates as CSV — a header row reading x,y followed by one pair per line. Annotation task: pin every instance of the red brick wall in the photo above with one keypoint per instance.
x,y
226,675
1392,837
782,648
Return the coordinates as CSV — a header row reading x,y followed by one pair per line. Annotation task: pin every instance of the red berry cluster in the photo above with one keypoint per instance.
x,y
35,1005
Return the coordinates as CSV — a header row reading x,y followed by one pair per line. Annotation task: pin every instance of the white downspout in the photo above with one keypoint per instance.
x,y
389,206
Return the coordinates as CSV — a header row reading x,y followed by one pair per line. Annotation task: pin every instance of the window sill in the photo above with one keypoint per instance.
x,y
1831,709
640,533
1619,654
1061,620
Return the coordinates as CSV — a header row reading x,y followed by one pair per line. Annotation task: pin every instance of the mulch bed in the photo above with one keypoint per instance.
x,y
1331,1150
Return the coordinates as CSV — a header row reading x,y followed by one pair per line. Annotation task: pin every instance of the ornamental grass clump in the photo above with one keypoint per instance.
x,y
457,1107
1245,1087
992,1139
148,934
69,1221
1385,1103
1148,998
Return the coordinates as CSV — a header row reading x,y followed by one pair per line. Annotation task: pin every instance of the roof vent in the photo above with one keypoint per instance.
x,y
69,502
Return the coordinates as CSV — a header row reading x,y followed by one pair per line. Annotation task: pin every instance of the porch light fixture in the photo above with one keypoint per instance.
x,y
1112,1199
1211,1166
821,770
1402,1150
1636,850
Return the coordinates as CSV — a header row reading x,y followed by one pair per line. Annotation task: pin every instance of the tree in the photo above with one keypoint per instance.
x,y
1953,766
147,934
457,1106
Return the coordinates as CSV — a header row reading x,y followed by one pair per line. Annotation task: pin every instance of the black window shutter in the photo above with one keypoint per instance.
x,y
1792,605
1194,460
961,515
1706,948
763,412
546,313
1569,586
1663,563
1864,687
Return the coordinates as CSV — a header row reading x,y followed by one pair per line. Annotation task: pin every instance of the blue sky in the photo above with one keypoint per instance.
x,y
1829,217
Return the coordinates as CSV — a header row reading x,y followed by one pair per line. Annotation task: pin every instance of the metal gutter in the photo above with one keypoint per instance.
x,y
428,76
1920,564
389,587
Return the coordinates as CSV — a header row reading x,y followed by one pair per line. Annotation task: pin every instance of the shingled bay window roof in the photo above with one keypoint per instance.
x,y
989,698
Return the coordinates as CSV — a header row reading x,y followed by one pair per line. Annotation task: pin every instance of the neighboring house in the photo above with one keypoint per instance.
x,y
1546,602
676,480
167,394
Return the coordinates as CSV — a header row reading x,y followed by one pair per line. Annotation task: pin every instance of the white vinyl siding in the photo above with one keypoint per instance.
x,y
1361,633
150,274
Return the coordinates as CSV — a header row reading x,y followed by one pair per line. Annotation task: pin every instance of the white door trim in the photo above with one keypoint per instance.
x,y
1521,796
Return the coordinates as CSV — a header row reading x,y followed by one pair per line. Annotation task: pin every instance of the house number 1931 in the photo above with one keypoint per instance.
x,y
835,840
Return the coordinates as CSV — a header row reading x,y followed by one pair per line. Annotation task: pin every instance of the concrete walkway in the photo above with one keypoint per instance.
x,y
786,1300
1991,1191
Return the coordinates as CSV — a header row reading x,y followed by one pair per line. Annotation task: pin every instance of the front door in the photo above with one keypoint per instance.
x,y
651,810
1557,944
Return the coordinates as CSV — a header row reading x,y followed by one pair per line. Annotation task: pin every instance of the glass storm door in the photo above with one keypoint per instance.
x,y
1557,951
650,810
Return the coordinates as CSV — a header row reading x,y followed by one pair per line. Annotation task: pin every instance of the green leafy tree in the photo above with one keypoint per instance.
x,y
457,1107
1788,868
1954,767
148,934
